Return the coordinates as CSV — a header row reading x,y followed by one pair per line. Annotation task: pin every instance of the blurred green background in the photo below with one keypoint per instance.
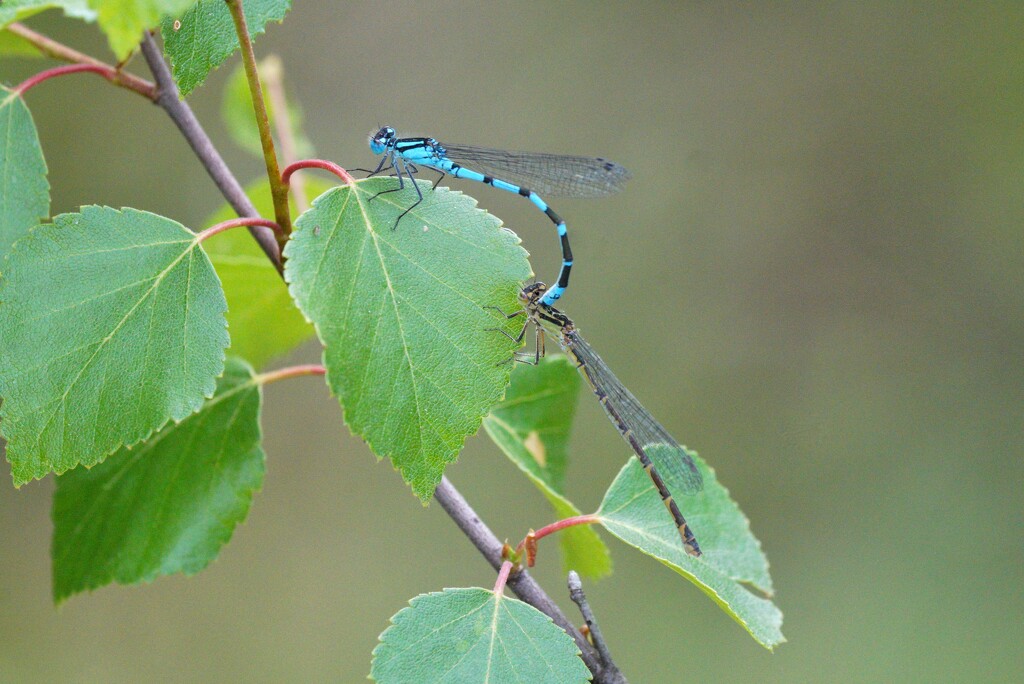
x,y
816,279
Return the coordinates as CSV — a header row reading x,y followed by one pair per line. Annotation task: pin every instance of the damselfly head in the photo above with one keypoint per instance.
x,y
382,140
532,293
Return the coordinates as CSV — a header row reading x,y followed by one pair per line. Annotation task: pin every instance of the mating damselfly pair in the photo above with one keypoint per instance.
x,y
667,463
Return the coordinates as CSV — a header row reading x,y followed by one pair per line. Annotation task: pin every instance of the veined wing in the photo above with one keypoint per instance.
x,y
671,460
547,174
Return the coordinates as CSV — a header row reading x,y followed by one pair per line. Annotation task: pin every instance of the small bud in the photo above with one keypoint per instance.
x,y
531,549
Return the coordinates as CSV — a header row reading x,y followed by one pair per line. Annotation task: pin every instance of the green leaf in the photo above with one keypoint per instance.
x,y
262,318
473,635
236,111
12,45
403,318
24,190
19,10
633,512
167,505
531,425
205,36
112,324
125,20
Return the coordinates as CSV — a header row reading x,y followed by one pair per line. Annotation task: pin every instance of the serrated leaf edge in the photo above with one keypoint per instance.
x,y
189,408
247,494
743,585
254,32
46,168
297,235
411,605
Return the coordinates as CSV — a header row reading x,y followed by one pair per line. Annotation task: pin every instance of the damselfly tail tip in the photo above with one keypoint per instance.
x,y
689,541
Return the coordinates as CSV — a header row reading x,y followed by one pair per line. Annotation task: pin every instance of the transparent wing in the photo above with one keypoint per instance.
x,y
556,175
671,460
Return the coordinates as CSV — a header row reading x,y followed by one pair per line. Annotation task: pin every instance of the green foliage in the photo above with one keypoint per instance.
x,y
24,190
237,113
403,318
262,318
19,10
531,425
12,45
167,505
112,338
112,324
633,512
474,635
123,21
206,37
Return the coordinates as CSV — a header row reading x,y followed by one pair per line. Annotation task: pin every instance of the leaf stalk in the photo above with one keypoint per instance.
x,y
237,223
290,372
503,573
59,51
529,543
341,173
35,80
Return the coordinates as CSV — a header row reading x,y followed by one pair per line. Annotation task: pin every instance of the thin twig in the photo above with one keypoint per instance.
x,y
165,94
278,190
52,48
524,586
580,599
182,116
